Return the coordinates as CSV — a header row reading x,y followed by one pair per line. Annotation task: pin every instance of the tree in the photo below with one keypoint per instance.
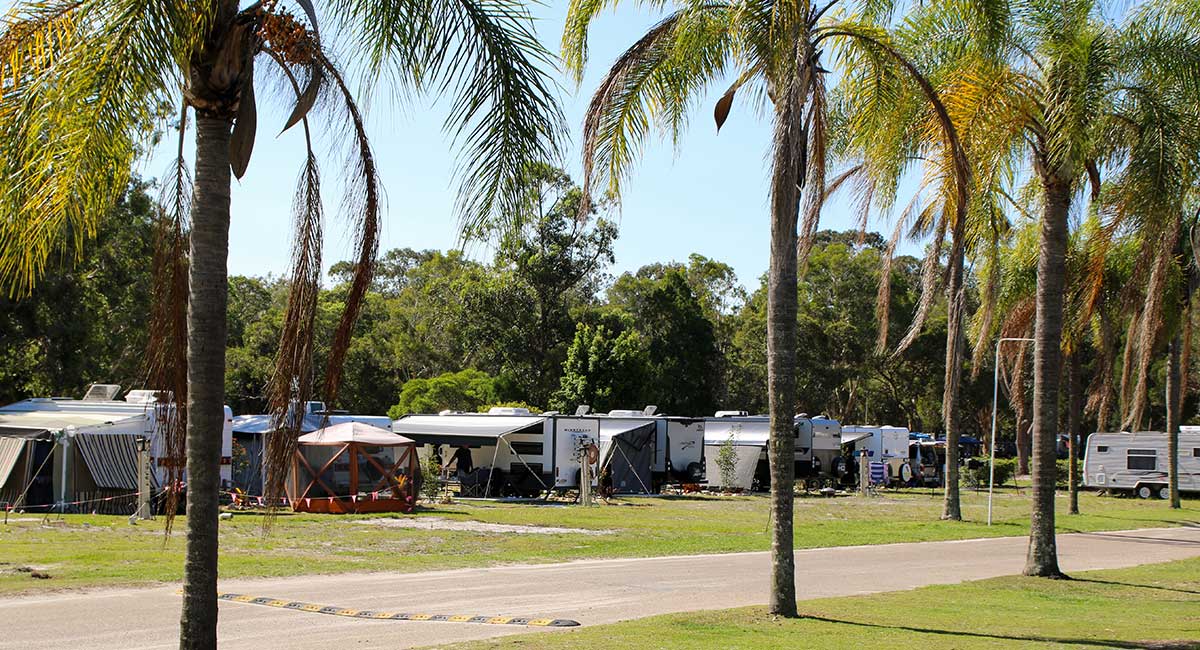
x,y
466,390
1044,79
683,370
606,367
779,46
83,76
79,327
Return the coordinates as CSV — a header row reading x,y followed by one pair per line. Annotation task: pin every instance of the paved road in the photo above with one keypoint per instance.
x,y
591,592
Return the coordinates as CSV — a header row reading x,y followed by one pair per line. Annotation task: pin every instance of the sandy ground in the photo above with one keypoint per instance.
x,y
592,592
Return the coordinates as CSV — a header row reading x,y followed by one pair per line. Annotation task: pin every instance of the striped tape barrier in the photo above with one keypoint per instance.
x,y
395,616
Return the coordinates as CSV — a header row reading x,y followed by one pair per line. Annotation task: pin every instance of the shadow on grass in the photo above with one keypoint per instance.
x,y
1137,586
1032,638
1139,539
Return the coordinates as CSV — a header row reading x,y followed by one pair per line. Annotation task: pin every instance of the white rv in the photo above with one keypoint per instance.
x,y
886,444
816,448
55,450
1137,462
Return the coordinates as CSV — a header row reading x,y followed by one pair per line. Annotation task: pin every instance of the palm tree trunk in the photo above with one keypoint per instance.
x,y
787,165
207,300
1174,409
951,507
1074,424
1042,559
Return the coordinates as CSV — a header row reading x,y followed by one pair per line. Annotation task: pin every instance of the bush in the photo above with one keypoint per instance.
x,y
975,472
1061,477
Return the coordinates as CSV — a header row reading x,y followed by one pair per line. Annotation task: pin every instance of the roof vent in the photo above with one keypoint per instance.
x,y
101,392
142,396
508,410
650,409
731,414
582,409
624,413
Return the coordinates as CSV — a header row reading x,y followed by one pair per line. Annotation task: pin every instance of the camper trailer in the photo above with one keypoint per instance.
x,y
817,448
59,450
1136,463
679,445
886,444
512,450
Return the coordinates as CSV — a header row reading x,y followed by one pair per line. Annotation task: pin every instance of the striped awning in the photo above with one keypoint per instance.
x,y
112,459
10,453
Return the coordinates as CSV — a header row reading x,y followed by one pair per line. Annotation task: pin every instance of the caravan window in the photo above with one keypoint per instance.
x,y
527,448
1141,459
1195,452
1102,448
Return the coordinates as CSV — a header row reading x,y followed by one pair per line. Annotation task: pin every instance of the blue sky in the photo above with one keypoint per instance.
x,y
709,197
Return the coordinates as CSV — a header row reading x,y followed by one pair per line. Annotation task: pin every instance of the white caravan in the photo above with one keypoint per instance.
x,y
513,450
54,450
886,444
678,447
1137,462
817,446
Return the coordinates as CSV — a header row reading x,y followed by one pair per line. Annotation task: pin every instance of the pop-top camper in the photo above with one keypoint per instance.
x,y
1136,463
56,450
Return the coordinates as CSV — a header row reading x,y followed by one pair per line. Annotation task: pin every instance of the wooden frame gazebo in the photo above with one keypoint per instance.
x,y
353,479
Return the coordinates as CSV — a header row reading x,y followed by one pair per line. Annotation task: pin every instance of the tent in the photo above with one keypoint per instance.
x,y
353,467
250,430
627,454
749,438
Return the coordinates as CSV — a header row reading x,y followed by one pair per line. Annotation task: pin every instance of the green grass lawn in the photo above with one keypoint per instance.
x,y
82,550
1152,606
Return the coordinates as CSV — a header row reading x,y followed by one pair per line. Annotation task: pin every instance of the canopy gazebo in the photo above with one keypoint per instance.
x,y
353,468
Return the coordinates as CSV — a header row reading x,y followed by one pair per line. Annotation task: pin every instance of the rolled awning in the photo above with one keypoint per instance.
x,y
754,433
462,429
854,436
42,425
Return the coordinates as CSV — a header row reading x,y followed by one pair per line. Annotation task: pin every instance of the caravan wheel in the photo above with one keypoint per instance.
x,y
1145,491
1164,492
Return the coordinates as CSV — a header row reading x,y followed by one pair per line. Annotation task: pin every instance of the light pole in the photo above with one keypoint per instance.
x,y
995,402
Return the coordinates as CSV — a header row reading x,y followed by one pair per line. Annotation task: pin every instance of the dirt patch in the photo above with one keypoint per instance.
x,y
439,523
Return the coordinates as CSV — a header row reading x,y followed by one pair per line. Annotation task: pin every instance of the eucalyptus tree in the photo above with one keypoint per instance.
x,y
82,77
775,50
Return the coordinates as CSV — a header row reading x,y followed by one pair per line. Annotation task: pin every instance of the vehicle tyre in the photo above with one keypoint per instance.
x,y
1145,491
839,467
695,472
1164,492
906,474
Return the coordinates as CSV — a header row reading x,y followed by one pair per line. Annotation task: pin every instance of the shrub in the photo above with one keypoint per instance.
x,y
727,463
975,472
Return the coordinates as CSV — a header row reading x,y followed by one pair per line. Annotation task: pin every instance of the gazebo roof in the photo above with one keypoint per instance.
x,y
354,432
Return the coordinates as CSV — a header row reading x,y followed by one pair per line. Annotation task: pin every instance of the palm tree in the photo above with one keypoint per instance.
x,y
82,78
773,49
1052,76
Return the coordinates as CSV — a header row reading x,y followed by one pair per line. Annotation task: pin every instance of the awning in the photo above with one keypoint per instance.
x,y
754,433
854,436
356,432
463,429
610,429
112,459
10,452
44,424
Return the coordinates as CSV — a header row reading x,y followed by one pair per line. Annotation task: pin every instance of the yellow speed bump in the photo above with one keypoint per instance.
x,y
394,616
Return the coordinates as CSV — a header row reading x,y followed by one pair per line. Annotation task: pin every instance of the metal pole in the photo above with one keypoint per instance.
x,y
992,444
